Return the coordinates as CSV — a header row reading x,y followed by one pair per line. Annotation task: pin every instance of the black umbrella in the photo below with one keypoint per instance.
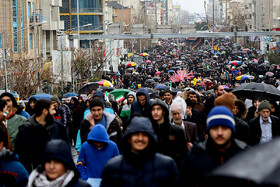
x,y
156,78
151,91
88,87
265,65
105,88
150,80
127,74
257,91
259,164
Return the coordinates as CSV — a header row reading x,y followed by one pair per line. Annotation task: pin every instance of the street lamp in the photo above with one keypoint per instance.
x,y
5,61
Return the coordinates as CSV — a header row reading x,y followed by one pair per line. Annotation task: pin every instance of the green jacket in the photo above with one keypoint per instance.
x,y
12,126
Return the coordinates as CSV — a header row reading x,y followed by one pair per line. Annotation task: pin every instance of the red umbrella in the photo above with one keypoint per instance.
x,y
130,64
157,73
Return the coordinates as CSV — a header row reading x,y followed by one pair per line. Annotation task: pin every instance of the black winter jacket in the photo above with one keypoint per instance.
x,y
32,139
146,168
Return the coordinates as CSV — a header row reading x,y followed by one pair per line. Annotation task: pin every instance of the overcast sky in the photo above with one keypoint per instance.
x,y
191,5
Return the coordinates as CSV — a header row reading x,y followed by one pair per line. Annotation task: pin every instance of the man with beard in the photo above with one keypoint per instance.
x,y
34,134
209,104
219,147
140,165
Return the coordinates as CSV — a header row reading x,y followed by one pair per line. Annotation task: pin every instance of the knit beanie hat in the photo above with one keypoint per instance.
x,y
264,105
220,116
54,98
227,99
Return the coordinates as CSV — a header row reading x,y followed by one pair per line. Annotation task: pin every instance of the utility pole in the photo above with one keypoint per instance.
x,y
213,15
166,13
122,18
78,20
35,34
62,68
4,47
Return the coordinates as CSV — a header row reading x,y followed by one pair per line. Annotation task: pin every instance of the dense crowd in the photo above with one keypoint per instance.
x,y
179,121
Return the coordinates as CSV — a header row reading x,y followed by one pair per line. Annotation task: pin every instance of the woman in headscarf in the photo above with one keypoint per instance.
x,y
57,168
30,106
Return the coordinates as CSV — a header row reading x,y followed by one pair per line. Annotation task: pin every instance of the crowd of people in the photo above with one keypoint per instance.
x,y
175,135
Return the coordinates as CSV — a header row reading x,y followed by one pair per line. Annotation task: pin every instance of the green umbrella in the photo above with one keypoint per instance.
x,y
119,92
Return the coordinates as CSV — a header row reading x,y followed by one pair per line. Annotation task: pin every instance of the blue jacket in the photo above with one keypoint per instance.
x,y
92,160
136,106
12,172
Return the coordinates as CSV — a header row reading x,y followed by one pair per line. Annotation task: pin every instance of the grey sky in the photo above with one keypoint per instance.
x,y
191,5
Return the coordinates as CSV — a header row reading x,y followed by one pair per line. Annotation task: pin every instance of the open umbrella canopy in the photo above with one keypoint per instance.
x,y
259,164
148,61
105,88
119,92
269,73
150,80
257,91
70,94
160,86
235,63
130,64
143,54
41,96
158,73
105,83
88,87
171,71
245,77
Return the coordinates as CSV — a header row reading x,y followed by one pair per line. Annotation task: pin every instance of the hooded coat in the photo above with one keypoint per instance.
x,y
92,160
126,110
146,168
136,107
171,138
60,151
12,172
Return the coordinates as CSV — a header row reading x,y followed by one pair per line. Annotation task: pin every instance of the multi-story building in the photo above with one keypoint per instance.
x,y
276,15
17,16
90,12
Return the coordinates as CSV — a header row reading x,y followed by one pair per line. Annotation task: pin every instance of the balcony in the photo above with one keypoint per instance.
x,y
38,18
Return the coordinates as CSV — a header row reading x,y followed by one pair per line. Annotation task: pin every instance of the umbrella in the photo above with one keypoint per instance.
x,y
70,94
105,88
129,69
257,91
148,61
150,80
269,73
105,83
244,77
119,92
160,86
41,96
157,73
156,78
88,87
151,91
171,71
130,64
265,65
143,54
259,164
127,74
236,63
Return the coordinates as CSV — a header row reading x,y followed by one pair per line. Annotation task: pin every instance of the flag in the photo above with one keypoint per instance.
x,y
106,96
171,85
120,98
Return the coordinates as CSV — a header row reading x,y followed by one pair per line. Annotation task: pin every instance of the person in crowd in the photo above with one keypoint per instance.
x,y
194,97
60,116
241,126
14,121
3,115
209,104
265,127
12,172
177,111
142,104
240,109
252,111
77,117
140,164
95,153
171,138
217,149
275,109
34,134
125,112
168,98
57,167
98,115
30,106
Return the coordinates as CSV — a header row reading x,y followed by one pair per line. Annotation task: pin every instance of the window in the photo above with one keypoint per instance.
x,y
29,9
30,41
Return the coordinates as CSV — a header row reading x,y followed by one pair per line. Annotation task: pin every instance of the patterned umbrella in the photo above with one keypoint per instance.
x,y
236,63
244,77
105,83
130,64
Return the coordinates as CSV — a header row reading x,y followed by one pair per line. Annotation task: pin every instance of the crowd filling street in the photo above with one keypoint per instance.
x,y
183,115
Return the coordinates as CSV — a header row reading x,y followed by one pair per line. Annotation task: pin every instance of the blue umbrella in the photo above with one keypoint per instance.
x,y
160,86
70,94
171,71
41,96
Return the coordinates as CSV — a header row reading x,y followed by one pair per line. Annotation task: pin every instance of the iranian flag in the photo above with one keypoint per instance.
x,y
120,98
